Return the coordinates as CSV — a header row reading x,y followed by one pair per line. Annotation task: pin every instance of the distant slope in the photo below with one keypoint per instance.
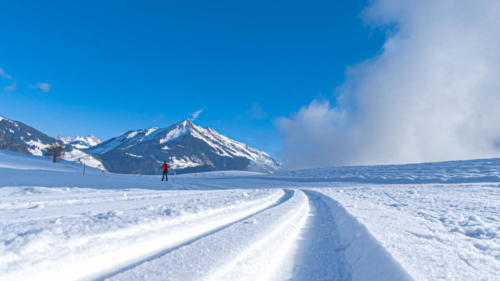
x,y
18,137
81,142
187,147
463,171
78,145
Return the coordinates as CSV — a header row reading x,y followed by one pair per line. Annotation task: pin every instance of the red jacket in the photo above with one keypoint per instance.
x,y
165,167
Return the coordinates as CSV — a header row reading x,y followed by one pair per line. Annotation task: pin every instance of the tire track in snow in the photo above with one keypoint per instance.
x,y
162,252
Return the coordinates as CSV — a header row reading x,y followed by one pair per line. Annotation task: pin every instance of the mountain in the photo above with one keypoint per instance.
x,y
185,146
78,145
19,137
81,142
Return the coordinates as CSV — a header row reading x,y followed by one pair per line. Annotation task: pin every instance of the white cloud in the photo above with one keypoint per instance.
x,y
196,114
4,74
432,94
45,87
11,87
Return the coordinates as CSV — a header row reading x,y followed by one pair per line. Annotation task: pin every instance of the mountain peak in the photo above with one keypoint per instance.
x,y
7,120
80,142
186,146
94,138
187,123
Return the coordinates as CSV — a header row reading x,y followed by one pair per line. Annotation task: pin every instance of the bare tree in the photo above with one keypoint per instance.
x,y
56,151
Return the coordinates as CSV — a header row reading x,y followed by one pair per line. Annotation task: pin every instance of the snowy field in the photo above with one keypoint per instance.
x,y
437,221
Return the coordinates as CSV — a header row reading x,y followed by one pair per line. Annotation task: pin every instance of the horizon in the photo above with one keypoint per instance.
x,y
285,168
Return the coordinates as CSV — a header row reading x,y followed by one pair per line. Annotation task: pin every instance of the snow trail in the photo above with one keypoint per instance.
x,y
269,258
93,256
320,255
286,196
361,256
254,248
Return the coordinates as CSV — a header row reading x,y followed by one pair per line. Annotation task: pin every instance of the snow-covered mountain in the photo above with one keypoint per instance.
x,y
185,146
81,142
78,145
19,137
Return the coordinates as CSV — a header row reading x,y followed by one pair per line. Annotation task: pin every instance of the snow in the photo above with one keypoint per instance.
x,y
79,142
97,237
479,170
224,146
362,257
221,174
20,162
133,155
150,131
36,147
184,162
79,156
176,133
56,224
76,154
92,140
132,134
109,145
444,232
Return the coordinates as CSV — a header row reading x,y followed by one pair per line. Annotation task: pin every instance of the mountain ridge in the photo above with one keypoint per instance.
x,y
81,142
186,146
18,137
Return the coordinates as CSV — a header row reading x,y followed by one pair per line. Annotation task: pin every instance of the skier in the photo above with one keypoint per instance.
x,y
165,170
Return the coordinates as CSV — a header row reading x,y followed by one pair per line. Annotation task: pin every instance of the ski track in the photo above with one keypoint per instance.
x,y
103,252
289,234
320,255
307,236
339,247
288,194
226,254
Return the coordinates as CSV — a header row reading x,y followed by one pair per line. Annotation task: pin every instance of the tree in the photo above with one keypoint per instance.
x,y
56,151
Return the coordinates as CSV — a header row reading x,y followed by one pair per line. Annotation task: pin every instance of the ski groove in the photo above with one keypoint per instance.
x,y
288,194
337,247
320,254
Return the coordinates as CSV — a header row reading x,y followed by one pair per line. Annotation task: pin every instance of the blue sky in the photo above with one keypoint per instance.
x,y
105,67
